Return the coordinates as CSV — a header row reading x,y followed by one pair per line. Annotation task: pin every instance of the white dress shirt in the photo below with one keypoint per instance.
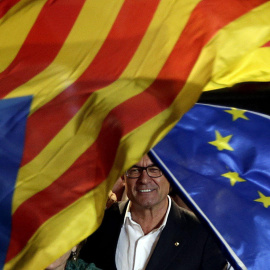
x,y
134,249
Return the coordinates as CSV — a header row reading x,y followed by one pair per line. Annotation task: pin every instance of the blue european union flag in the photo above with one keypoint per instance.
x,y
219,159
13,116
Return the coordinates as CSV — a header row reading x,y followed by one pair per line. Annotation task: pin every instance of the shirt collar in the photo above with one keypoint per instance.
x,y
128,214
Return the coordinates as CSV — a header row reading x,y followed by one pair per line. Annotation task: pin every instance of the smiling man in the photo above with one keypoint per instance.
x,y
147,188
150,231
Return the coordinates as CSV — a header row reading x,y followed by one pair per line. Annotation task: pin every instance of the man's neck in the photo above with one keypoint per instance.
x,y
149,218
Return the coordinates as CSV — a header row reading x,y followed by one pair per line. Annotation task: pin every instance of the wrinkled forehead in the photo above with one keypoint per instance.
x,y
144,162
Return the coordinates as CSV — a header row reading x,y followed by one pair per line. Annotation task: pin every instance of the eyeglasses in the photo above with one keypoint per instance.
x,y
136,171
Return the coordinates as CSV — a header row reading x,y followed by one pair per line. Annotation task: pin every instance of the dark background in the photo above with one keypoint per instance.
x,y
249,96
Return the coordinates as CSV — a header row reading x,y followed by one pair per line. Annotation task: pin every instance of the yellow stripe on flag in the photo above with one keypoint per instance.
x,y
239,57
14,28
253,67
159,40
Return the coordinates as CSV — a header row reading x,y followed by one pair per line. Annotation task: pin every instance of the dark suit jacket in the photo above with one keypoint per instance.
x,y
184,243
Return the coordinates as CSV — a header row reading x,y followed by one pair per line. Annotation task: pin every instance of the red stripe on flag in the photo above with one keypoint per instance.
x,y
5,6
95,164
107,66
42,43
266,44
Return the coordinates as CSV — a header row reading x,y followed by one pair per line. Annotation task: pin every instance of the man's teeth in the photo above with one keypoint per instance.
x,y
145,190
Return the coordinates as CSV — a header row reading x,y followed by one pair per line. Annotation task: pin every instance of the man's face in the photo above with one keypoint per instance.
x,y
145,191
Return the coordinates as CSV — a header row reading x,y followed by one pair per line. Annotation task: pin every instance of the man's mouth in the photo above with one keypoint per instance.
x,y
145,190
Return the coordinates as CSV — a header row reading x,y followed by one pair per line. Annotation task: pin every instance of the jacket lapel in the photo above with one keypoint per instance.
x,y
171,242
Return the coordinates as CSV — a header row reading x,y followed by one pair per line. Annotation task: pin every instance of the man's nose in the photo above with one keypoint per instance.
x,y
144,178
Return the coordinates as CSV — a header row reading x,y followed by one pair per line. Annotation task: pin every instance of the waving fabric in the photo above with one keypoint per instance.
x,y
90,87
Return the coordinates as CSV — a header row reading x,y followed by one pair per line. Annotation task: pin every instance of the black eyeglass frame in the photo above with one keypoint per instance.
x,y
141,171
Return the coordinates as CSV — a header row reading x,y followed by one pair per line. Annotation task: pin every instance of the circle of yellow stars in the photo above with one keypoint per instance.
x,y
222,143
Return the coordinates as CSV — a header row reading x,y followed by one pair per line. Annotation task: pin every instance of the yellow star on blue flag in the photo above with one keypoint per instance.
x,y
234,177
263,199
222,143
236,113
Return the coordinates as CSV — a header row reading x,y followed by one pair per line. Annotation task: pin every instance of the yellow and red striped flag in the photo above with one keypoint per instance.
x,y
87,87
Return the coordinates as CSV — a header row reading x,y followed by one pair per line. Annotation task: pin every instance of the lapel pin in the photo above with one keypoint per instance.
x,y
176,244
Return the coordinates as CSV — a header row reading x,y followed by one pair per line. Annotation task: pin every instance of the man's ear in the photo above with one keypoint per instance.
x,y
123,178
